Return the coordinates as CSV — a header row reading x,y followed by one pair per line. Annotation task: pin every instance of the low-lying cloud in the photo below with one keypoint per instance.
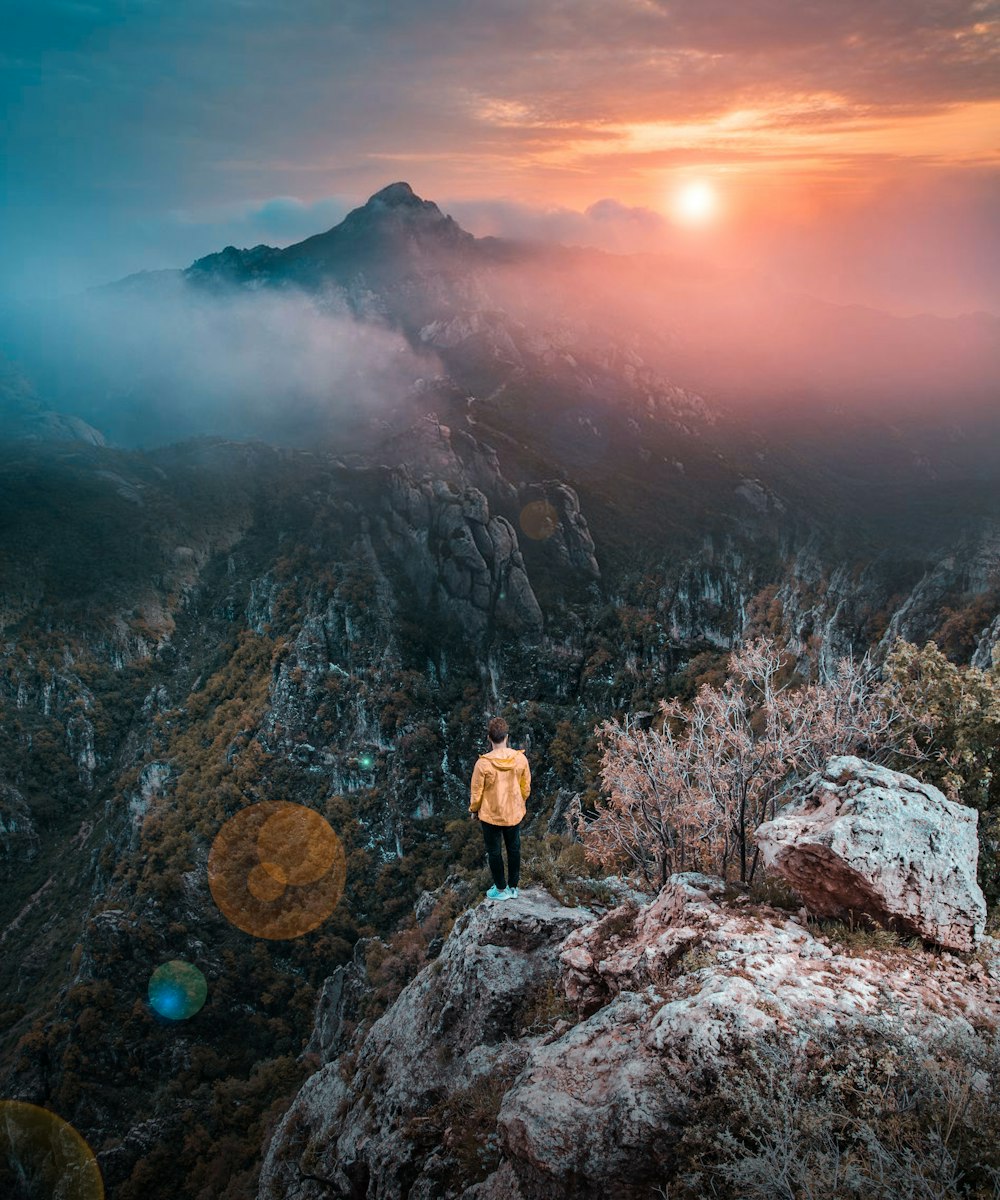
x,y
277,221
608,224
160,360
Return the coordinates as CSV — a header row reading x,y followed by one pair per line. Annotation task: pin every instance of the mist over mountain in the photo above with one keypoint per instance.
x,y
289,344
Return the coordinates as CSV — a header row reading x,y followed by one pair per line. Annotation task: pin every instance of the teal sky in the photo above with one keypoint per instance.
x,y
853,146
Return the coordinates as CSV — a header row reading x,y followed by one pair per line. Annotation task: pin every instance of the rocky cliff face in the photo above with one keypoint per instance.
x,y
18,832
469,1087
458,556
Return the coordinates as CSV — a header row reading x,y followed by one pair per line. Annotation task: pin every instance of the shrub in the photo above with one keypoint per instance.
x,y
688,795
870,1113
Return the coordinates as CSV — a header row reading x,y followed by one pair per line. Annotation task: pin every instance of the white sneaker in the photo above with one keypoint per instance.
x,y
495,894
513,893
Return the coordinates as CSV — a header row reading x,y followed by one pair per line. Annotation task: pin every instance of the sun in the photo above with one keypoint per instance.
x,y
695,203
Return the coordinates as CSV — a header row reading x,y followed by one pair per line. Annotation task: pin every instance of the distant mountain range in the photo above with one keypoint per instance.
x,y
690,386
725,331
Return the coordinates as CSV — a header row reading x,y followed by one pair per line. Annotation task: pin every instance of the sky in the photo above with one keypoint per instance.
x,y
851,147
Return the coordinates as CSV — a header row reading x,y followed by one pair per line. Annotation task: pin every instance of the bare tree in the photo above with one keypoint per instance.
x,y
689,794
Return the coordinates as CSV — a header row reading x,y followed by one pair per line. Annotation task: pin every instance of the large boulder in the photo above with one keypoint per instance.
x,y
860,838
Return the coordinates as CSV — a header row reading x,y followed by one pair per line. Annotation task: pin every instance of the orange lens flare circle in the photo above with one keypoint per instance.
x,y
539,520
276,870
43,1155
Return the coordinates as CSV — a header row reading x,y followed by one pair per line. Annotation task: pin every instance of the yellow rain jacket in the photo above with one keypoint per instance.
x,y
501,782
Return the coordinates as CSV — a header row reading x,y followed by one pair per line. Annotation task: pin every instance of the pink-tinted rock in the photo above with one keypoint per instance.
x,y
668,995
861,838
679,988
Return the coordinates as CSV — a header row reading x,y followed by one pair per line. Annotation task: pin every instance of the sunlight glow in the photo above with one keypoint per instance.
x,y
695,203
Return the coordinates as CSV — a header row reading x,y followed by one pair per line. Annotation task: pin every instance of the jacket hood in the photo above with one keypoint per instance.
x,y
505,763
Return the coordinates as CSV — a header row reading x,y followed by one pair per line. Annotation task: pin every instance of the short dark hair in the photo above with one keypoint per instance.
x,y
498,729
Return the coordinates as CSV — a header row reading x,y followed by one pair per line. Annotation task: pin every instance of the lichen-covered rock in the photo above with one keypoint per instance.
x,y
987,651
429,448
675,991
669,996
861,838
363,1127
591,1107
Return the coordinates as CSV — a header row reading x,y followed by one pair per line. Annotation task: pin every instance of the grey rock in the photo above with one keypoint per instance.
x,y
338,1006
457,1022
669,994
987,652
861,838
561,822
570,541
18,835
459,558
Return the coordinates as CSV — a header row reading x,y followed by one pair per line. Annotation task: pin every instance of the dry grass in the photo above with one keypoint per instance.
x,y
875,1115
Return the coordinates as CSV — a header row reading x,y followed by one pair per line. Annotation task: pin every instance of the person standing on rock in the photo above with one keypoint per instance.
x,y
501,782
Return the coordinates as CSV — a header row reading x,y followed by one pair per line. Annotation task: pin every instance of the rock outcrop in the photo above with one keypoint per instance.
x,y
339,1006
355,1128
550,514
467,1087
861,838
460,558
24,416
987,650
18,835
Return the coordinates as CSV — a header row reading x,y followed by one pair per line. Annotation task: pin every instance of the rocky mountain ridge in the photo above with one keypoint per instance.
x,y
331,627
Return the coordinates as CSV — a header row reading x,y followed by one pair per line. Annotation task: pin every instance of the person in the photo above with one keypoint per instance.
x,y
501,782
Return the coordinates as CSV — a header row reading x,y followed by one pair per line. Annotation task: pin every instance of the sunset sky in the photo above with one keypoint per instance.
x,y
851,148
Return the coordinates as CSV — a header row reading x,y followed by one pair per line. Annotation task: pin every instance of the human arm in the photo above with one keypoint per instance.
x,y
476,791
524,778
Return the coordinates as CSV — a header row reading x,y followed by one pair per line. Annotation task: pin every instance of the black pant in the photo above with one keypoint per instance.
x,y
495,837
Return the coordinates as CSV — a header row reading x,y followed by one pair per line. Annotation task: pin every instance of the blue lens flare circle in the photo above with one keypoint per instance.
x,y
177,990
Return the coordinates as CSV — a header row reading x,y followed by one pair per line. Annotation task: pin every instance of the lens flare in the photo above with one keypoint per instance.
x,y
43,1156
177,990
276,870
539,520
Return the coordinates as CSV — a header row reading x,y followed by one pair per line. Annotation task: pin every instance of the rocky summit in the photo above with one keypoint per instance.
x,y
553,1052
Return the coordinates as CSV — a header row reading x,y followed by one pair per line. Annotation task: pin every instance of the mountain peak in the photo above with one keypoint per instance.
x,y
396,194
397,212
398,201
394,223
